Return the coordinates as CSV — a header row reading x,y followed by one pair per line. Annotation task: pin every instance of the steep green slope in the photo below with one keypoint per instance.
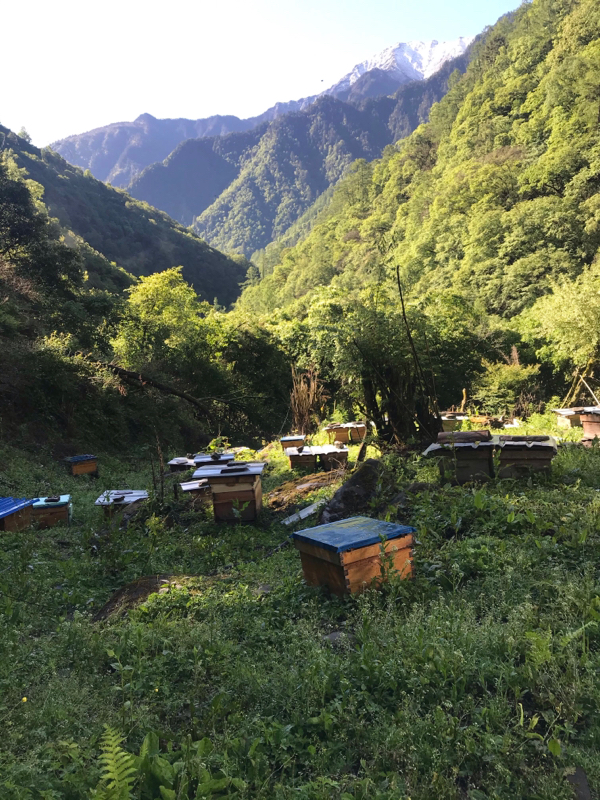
x,y
494,199
195,174
137,237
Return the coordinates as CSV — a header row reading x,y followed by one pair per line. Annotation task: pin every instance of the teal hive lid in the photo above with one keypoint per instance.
x,y
349,534
47,502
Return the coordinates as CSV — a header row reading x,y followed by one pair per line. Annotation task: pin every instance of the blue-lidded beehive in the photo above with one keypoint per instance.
x,y
346,556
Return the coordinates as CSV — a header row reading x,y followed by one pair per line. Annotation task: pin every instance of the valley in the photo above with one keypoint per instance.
x,y
416,256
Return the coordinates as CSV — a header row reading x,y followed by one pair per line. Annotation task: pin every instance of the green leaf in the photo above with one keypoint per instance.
x,y
554,747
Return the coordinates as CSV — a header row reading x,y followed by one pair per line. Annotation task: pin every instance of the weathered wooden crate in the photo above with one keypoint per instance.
x,y
236,490
213,459
181,464
464,461
591,426
197,489
82,465
347,432
293,440
521,455
332,457
345,556
116,500
52,510
304,457
232,503
15,513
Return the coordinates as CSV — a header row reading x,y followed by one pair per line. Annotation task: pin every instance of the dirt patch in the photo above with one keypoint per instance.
x,y
137,592
290,495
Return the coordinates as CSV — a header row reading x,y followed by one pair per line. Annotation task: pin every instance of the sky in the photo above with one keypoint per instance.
x,y
81,64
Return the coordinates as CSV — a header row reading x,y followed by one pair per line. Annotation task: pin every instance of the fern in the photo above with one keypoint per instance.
x,y
118,769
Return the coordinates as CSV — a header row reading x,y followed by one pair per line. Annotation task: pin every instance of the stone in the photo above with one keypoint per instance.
x,y
353,497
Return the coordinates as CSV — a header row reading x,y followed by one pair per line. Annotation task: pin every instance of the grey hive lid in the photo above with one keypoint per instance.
x,y
349,534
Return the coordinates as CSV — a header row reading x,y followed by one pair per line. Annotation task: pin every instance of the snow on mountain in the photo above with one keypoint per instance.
x,y
406,61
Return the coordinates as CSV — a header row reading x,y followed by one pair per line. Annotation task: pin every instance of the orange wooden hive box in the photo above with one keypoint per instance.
x,y
82,465
15,513
332,457
293,440
53,510
303,456
236,490
345,556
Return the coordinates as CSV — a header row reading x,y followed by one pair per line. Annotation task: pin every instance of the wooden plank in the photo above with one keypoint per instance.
x,y
322,573
350,556
48,517
318,552
84,467
361,575
17,521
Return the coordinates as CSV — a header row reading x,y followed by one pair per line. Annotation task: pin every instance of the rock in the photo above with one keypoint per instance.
x,y
419,486
579,782
353,497
337,638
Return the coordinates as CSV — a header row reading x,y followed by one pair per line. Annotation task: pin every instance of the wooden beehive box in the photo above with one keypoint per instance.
x,y
202,460
347,432
465,461
293,440
520,455
15,513
236,490
52,510
82,465
345,556
115,500
181,464
591,425
332,457
303,456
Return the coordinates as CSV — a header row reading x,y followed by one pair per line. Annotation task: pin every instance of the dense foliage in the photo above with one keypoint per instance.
x,y
476,679
135,236
494,202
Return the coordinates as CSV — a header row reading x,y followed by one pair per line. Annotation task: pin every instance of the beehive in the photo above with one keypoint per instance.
x,y
181,464
345,556
82,465
236,490
197,489
213,459
332,457
304,457
464,461
15,513
591,425
347,432
52,510
521,455
115,500
293,440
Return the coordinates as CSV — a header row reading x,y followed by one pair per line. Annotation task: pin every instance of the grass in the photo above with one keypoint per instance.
x,y
476,679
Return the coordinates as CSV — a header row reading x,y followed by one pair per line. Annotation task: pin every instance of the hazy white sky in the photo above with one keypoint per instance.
x,y
79,65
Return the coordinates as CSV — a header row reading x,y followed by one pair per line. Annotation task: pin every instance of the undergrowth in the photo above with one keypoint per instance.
x,y
475,679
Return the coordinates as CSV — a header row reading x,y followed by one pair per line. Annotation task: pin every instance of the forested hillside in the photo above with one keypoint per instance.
x,y
301,155
489,213
138,238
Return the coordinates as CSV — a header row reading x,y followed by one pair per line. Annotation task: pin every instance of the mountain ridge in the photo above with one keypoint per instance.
x,y
116,153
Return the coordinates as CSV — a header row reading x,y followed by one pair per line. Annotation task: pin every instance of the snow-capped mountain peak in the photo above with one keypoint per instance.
x,y
406,61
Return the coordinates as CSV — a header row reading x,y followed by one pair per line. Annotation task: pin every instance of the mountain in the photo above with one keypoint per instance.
x,y
118,152
492,205
401,63
301,155
119,228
